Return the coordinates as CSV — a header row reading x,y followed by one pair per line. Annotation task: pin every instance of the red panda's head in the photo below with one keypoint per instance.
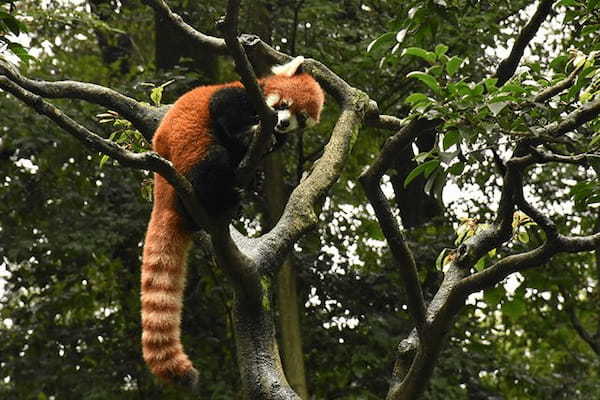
x,y
296,96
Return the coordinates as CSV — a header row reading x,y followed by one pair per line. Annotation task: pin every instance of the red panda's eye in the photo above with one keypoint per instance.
x,y
281,106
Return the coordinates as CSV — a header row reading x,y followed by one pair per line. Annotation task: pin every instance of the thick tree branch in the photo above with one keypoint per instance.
x,y
370,180
509,65
558,87
573,120
299,215
451,295
447,303
144,118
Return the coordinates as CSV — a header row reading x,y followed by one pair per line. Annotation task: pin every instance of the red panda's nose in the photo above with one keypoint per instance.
x,y
283,124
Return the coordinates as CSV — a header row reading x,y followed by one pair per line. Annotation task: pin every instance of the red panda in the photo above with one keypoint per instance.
x,y
205,135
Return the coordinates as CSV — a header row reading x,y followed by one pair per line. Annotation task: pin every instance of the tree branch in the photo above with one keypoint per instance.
x,y
144,118
575,119
370,180
216,45
509,65
558,87
229,27
299,214
540,218
576,323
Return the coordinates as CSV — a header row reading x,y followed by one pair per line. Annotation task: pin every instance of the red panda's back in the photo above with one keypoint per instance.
x,y
184,134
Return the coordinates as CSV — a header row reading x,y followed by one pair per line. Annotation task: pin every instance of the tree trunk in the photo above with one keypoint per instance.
x,y
287,293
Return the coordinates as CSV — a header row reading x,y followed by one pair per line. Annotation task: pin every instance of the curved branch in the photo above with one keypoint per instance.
x,y
144,118
543,221
406,135
216,45
299,214
370,180
509,65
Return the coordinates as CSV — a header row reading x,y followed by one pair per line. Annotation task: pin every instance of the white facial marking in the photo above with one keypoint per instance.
x,y
272,99
286,121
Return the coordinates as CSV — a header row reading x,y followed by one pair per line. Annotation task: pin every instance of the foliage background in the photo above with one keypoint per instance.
x,y
71,231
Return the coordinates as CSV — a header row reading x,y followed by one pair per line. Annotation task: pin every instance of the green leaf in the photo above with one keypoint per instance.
x,y
382,41
439,261
523,236
416,98
422,156
457,169
480,265
20,52
595,140
558,63
103,160
490,84
428,56
493,296
156,95
497,107
569,3
453,65
461,234
514,308
441,49
426,168
590,29
426,79
12,24
450,139
479,89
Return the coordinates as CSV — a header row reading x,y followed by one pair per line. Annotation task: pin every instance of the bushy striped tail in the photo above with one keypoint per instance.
x,y
163,282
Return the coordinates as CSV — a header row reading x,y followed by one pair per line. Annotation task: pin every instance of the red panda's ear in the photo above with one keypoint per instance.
x,y
290,68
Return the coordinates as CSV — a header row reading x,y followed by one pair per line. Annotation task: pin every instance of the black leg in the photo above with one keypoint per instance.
x,y
213,179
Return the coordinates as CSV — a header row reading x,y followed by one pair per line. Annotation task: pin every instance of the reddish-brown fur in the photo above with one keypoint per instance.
x,y
183,137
